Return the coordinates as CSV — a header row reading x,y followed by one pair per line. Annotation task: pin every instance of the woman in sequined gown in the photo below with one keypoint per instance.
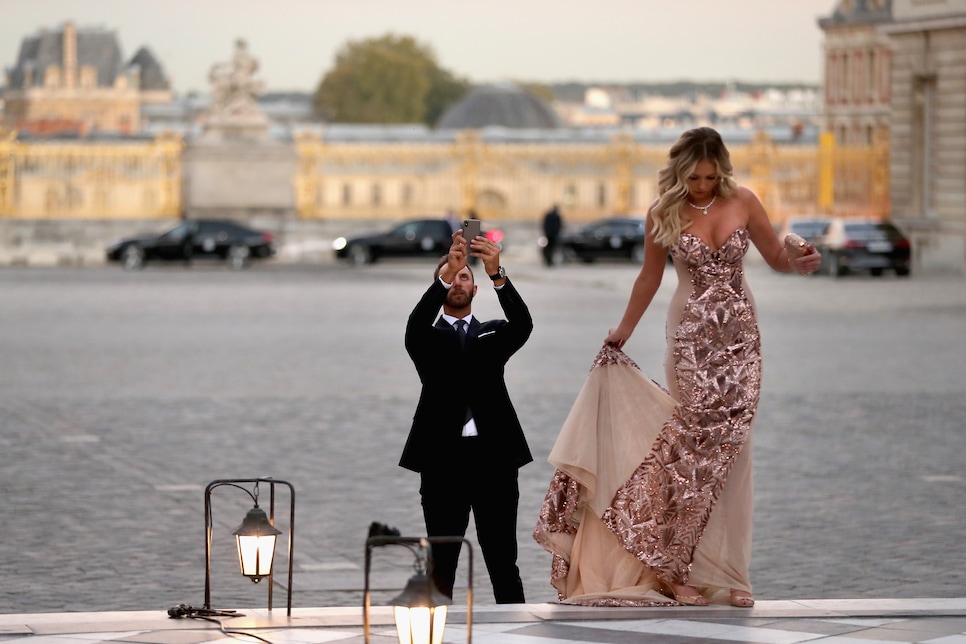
x,y
651,500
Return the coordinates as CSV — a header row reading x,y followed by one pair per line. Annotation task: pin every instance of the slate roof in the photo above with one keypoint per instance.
x,y
96,47
503,105
152,76
858,12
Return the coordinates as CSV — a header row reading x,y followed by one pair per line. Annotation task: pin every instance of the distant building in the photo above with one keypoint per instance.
x,y
75,81
857,70
796,110
894,74
928,129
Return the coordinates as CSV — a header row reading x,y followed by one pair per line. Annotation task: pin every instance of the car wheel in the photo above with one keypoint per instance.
x,y
360,255
238,256
133,258
637,254
902,271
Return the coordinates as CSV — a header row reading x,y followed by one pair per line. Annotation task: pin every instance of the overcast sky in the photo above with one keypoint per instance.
x,y
295,41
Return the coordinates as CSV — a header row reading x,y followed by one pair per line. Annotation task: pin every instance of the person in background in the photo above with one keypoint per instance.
x,y
552,227
450,217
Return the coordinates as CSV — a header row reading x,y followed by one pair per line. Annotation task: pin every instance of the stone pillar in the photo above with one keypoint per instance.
x,y
236,168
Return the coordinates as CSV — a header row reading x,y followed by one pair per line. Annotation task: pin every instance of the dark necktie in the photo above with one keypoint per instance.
x,y
461,334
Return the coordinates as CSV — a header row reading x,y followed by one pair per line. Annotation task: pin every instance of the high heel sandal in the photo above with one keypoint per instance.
x,y
743,600
685,600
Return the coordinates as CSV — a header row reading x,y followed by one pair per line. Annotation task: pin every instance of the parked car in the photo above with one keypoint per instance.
x,y
195,239
414,238
607,238
809,228
851,245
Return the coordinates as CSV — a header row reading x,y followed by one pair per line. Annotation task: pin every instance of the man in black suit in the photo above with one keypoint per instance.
x,y
466,441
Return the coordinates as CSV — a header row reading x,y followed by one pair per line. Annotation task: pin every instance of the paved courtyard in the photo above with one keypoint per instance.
x,y
123,394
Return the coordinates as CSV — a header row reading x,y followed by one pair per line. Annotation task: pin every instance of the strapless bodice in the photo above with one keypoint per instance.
x,y
693,250
712,266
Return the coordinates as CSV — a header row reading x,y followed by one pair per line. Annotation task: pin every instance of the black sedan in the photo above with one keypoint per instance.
x,y
850,245
416,238
609,238
195,239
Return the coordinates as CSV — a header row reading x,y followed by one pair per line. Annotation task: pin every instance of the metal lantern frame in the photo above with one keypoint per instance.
x,y
253,493
416,545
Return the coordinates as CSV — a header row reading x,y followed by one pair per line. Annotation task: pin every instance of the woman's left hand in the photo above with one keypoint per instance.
x,y
809,262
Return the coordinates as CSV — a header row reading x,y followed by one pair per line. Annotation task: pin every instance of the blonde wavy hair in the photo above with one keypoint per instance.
x,y
693,146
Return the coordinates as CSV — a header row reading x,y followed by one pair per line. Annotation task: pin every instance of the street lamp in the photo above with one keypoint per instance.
x,y
255,537
420,609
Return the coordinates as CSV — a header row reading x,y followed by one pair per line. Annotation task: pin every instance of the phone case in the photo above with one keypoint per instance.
x,y
471,229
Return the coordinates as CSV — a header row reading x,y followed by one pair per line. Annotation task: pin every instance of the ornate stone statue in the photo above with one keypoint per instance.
x,y
234,90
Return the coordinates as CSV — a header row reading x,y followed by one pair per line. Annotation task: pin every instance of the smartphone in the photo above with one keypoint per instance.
x,y
471,229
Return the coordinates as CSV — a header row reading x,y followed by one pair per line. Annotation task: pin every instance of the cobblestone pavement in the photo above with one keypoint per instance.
x,y
123,394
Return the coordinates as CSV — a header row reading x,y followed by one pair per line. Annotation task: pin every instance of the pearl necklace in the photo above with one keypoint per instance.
x,y
704,208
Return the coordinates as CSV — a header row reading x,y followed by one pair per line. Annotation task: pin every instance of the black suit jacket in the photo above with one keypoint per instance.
x,y
455,377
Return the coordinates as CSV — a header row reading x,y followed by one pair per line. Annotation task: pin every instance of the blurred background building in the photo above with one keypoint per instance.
x,y
74,80
96,142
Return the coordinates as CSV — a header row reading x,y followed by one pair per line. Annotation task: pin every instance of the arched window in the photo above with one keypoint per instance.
x,y
570,194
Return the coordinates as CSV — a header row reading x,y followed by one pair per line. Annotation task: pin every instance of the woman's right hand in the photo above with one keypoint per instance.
x,y
616,337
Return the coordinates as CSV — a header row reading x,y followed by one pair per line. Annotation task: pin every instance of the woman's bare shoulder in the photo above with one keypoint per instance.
x,y
747,198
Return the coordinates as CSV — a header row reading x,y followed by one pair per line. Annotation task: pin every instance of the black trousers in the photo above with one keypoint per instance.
x,y
449,492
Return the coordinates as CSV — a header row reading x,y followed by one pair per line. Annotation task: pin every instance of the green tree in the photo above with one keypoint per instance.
x,y
391,79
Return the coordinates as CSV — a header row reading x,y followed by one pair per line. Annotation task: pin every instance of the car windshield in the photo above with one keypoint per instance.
x,y
178,233
808,228
872,231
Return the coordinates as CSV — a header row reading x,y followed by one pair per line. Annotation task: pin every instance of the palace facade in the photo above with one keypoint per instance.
x,y
893,145
75,81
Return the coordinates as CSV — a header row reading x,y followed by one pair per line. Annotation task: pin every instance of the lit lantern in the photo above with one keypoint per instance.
x,y
420,611
256,544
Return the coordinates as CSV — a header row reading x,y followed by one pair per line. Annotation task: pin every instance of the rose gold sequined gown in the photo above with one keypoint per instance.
x,y
653,486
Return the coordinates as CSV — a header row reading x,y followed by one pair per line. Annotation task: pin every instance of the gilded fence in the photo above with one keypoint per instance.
x,y
519,181
392,180
58,179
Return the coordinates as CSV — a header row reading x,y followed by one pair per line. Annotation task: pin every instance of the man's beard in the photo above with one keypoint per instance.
x,y
459,299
